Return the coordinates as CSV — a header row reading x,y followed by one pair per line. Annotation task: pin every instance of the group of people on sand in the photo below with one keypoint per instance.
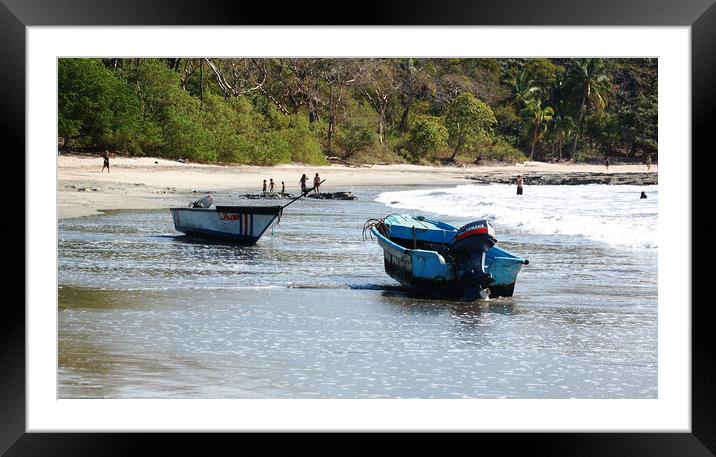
x,y
316,184
303,182
272,187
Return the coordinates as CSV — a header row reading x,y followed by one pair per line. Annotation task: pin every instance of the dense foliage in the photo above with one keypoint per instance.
x,y
268,111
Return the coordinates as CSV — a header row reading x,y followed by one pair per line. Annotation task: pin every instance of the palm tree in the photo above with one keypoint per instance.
x,y
564,128
540,117
524,86
590,81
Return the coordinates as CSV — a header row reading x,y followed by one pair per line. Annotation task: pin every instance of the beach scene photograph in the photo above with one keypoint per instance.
x,y
357,228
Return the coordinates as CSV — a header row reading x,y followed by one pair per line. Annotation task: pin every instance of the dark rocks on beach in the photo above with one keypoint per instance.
x,y
321,196
333,196
571,178
268,195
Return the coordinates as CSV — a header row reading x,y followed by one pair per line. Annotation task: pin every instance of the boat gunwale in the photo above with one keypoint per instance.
x,y
234,209
439,224
402,249
497,250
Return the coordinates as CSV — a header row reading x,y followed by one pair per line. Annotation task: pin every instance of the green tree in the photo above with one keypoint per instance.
x,y
563,129
271,148
467,118
523,85
636,104
356,135
543,72
96,108
540,117
604,128
414,78
302,141
379,85
427,135
186,128
590,82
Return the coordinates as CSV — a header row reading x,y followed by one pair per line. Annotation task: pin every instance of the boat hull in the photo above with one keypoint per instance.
x,y
236,224
428,273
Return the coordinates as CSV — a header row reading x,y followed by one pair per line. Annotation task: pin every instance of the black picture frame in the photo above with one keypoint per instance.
x,y
700,15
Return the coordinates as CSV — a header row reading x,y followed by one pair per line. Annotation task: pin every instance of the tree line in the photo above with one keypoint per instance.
x,y
419,110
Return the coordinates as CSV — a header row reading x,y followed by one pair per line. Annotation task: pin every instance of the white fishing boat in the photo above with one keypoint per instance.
x,y
237,224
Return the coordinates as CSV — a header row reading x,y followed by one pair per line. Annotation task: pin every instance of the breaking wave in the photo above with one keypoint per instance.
x,y
604,213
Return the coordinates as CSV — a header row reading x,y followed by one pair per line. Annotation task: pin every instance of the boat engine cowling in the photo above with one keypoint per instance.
x,y
470,244
204,202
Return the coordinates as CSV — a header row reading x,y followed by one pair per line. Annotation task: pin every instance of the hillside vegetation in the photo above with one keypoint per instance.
x,y
270,111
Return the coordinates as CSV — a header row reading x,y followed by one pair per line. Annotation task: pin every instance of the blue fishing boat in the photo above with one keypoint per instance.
x,y
438,259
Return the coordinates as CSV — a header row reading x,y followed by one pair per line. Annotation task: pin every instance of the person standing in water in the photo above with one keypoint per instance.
x,y
606,163
648,162
303,180
272,186
283,187
263,189
105,156
520,181
316,184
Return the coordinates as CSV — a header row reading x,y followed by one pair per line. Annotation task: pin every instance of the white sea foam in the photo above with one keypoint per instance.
x,y
604,213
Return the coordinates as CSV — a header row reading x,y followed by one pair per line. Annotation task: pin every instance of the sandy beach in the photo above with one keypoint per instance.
x,y
146,182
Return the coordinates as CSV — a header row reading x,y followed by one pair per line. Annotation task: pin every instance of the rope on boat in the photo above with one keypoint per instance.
x,y
379,224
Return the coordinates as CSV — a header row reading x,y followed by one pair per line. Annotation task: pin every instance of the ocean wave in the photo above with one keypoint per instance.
x,y
614,215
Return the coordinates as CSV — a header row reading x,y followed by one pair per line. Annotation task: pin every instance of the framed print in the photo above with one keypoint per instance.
x,y
333,332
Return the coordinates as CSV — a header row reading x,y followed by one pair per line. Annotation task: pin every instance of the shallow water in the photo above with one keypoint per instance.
x,y
310,313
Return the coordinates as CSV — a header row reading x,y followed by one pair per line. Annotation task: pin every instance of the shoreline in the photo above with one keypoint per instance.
x,y
152,183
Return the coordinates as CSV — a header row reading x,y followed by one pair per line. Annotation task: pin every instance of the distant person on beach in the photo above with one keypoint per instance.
x,y
648,164
643,194
105,156
303,183
283,187
272,186
316,184
520,181
263,191
606,163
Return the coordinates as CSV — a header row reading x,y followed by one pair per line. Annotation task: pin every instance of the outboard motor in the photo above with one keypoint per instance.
x,y
205,202
469,246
